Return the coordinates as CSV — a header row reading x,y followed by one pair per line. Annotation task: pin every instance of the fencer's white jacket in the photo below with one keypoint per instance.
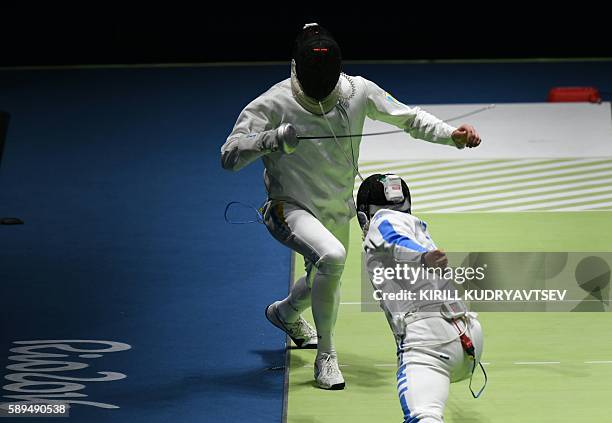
x,y
397,238
317,175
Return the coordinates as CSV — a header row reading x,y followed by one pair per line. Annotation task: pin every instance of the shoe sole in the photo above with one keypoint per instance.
x,y
297,342
336,387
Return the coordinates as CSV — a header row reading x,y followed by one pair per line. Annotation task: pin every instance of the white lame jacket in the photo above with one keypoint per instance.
x,y
319,175
391,229
396,238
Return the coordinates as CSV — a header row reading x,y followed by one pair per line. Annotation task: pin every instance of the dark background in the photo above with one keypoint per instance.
x,y
229,32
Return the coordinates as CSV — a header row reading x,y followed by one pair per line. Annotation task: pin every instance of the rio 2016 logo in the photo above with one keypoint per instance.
x,y
39,371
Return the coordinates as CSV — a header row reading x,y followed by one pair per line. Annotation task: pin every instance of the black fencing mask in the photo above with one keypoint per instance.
x,y
318,61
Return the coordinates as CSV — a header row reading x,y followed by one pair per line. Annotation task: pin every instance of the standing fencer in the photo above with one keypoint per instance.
x,y
438,340
310,183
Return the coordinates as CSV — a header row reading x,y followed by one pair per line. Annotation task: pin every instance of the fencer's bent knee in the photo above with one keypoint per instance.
x,y
332,261
335,255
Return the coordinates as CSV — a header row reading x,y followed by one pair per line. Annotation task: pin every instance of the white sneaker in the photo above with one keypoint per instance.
x,y
327,373
300,332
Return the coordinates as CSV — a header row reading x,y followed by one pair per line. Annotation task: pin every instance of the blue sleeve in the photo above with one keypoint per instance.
x,y
391,236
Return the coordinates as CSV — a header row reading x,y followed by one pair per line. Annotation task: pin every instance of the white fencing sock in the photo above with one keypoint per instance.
x,y
326,296
296,302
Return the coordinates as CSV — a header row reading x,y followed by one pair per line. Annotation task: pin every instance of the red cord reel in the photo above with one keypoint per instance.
x,y
574,94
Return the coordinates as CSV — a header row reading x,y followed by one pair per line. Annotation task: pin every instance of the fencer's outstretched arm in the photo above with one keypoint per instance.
x,y
254,135
418,123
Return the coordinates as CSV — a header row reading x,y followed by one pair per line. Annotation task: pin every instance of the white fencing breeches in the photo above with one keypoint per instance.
x,y
425,372
324,247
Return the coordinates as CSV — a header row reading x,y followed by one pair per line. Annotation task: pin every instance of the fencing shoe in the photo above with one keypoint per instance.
x,y
300,332
327,373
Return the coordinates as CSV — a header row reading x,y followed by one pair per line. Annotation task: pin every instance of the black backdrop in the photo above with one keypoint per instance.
x,y
230,32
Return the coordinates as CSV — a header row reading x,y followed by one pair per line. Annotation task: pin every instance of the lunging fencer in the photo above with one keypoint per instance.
x,y
438,340
310,182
